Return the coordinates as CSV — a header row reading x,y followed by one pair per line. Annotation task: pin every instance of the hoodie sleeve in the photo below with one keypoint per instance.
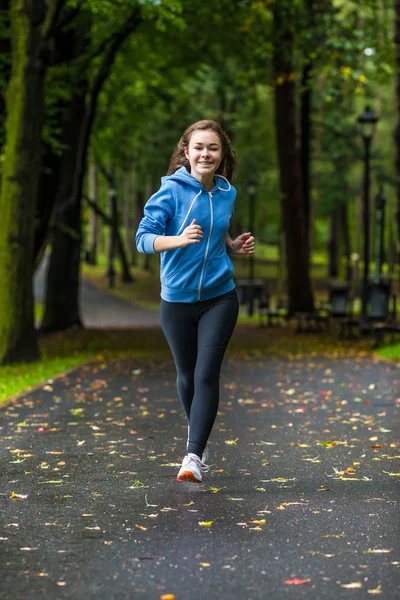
x,y
157,211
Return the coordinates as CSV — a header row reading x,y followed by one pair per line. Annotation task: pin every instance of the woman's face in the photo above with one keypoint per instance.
x,y
204,154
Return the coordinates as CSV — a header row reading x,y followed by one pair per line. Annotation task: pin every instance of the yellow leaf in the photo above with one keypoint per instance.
x,y
205,523
258,521
231,442
355,584
18,496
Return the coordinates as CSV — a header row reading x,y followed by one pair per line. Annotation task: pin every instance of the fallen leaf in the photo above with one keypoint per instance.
x,y
355,584
377,590
18,496
205,523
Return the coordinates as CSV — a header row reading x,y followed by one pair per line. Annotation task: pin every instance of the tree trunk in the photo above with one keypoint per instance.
x,y
62,305
305,154
62,311
47,192
397,130
319,129
139,196
133,224
345,228
21,167
298,277
5,50
68,45
333,244
94,221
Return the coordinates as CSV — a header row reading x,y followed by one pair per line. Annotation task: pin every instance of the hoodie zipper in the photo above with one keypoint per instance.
x,y
208,244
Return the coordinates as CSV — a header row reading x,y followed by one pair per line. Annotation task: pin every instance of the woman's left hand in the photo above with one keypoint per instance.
x,y
243,244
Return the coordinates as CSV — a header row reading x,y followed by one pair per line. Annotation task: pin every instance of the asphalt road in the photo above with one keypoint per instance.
x,y
99,309
301,500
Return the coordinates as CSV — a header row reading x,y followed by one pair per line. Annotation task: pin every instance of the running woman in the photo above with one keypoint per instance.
x,y
187,223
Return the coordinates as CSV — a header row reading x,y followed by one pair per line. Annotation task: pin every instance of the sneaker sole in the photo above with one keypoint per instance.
x,y
188,476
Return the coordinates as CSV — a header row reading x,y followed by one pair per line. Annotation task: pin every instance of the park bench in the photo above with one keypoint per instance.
x,y
251,292
254,293
271,317
386,321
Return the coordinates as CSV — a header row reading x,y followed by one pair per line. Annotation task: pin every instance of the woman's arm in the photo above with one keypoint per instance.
x,y
243,244
230,248
192,234
167,242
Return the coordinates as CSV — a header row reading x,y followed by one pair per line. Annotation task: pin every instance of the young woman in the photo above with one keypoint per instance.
x,y
187,222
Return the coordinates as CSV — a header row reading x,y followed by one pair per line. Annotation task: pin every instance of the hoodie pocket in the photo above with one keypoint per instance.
x,y
217,271
185,273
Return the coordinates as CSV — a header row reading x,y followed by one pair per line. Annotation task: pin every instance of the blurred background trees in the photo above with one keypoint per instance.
x,y
116,83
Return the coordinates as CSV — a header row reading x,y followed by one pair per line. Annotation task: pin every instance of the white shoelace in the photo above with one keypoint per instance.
x,y
203,467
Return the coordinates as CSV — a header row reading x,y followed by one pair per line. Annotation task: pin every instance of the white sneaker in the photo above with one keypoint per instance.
x,y
192,468
205,455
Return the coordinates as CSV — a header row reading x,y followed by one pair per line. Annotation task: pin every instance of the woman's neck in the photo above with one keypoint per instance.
x,y
208,182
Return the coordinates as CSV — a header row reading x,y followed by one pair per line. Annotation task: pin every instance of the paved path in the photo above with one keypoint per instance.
x,y
98,308
301,500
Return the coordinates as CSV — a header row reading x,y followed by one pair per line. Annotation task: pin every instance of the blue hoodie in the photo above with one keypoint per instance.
x,y
199,271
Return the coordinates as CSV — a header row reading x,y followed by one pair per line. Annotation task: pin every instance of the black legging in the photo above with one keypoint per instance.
x,y
198,334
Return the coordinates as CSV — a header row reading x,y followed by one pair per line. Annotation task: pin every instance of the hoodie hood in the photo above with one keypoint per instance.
x,y
182,175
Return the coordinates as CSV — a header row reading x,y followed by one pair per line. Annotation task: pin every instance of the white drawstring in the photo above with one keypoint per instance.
x,y
190,208
222,189
197,195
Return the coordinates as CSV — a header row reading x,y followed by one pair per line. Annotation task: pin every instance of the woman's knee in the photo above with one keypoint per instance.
x,y
207,375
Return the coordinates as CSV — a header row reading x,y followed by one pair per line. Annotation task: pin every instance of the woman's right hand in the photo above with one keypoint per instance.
x,y
193,234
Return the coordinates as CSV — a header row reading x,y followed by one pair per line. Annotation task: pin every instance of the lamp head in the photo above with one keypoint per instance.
x,y
366,123
252,187
380,198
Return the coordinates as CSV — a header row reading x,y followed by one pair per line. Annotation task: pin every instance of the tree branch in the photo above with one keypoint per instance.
x,y
106,174
52,17
107,220
69,16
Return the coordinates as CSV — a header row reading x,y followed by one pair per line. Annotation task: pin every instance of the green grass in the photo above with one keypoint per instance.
x,y
391,352
64,350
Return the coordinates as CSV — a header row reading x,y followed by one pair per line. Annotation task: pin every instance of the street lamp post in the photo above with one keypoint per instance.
x,y
366,122
252,192
380,221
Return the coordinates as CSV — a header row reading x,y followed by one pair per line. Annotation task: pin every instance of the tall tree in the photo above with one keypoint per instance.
x,y
32,28
397,130
65,263
294,218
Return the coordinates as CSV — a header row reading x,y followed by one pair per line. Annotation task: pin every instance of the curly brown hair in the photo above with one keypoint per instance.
x,y
228,162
